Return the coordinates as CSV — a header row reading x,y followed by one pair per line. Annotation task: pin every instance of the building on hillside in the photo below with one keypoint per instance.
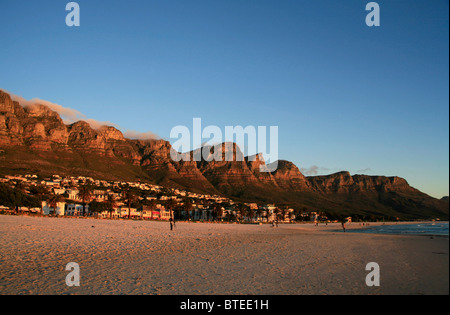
x,y
100,195
29,210
59,210
73,194
134,213
202,214
59,191
74,210
252,206
158,213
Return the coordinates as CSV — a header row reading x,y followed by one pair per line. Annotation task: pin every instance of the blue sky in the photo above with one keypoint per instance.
x,y
345,96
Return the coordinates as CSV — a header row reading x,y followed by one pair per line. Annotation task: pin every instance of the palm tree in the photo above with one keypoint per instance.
x,y
97,207
251,214
53,201
171,204
111,204
40,191
259,212
267,215
188,206
20,188
218,211
152,206
129,197
276,211
229,215
85,194
296,214
242,209
19,185
283,214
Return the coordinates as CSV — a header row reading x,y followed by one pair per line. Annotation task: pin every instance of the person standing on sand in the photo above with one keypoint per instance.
x,y
343,224
171,224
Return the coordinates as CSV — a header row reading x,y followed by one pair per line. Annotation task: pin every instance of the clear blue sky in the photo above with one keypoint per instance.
x,y
345,96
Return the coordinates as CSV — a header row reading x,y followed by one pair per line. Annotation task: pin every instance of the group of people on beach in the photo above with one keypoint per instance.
x,y
343,223
274,223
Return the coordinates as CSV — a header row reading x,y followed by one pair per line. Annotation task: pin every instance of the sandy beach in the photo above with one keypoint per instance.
x,y
143,257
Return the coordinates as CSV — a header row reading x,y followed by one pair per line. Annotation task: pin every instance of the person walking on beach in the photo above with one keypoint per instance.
x,y
343,224
171,224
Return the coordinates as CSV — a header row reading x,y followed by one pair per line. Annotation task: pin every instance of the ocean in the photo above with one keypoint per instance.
x,y
435,228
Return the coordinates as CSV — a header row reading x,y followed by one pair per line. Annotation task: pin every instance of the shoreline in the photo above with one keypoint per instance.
x,y
330,227
145,257
223,222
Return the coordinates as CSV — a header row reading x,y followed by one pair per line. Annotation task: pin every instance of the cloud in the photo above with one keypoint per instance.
x,y
69,115
136,135
66,113
364,170
314,170
96,124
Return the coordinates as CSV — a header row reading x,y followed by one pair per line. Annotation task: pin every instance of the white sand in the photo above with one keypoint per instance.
x,y
140,257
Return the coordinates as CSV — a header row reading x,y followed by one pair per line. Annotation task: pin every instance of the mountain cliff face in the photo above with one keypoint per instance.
x,y
343,182
35,139
288,177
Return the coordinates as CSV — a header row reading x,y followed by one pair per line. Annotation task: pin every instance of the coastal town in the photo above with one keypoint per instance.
x,y
60,196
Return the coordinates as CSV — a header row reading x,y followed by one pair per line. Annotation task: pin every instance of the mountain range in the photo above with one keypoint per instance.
x,y
34,139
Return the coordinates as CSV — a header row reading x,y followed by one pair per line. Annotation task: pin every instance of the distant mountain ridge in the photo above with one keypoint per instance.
x,y
35,139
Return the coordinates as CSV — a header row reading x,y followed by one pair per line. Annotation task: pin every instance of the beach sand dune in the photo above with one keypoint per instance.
x,y
141,257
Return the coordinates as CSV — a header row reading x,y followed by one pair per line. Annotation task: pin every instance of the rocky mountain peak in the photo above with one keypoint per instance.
x,y
6,103
45,143
111,133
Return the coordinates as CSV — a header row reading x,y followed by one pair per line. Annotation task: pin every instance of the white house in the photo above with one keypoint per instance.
x,y
73,194
59,210
75,210
59,191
